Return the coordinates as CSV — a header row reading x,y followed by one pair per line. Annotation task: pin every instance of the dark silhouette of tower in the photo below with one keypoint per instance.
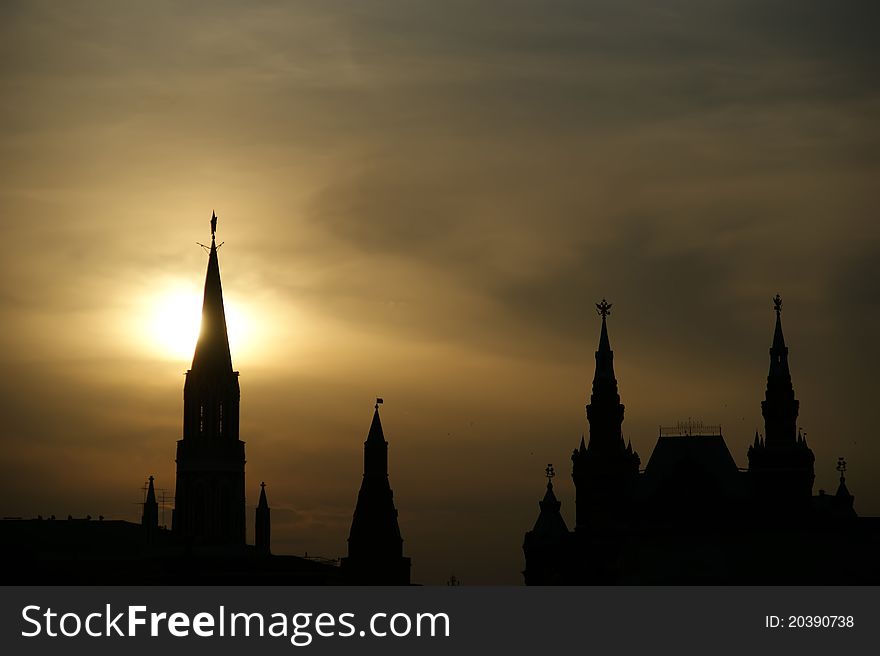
x,y
375,547
781,465
605,470
262,530
150,516
545,546
209,497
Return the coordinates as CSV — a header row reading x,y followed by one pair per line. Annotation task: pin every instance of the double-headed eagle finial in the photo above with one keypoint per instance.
x,y
603,308
777,304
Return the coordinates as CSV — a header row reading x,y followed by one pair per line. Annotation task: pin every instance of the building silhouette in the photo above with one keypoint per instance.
x,y
692,516
209,503
375,547
207,540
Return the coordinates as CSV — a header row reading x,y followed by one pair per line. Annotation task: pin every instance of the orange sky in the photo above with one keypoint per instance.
x,y
423,201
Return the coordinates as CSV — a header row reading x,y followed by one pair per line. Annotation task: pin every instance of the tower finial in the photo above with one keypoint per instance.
x,y
213,223
379,401
841,467
603,308
777,304
549,472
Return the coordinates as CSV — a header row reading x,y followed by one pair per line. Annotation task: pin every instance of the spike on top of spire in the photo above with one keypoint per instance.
x,y
212,349
604,355
549,523
604,310
151,492
376,434
778,351
778,338
263,503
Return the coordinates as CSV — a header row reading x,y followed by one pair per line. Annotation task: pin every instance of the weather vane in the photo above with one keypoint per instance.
x,y
777,304
213,232
379,401
603,308
549,472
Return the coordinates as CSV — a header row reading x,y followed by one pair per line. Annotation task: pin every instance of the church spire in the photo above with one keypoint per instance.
x,y
150,517
375,546
550,524
605,471
778,350
603,379
605,411
781,464
263,527
547,539
209,504
212,350
780,408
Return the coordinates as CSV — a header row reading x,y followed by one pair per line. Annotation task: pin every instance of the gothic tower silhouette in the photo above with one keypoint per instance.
x,y
781,464
150,516
604,470
547,545
375,547
209,505
262,528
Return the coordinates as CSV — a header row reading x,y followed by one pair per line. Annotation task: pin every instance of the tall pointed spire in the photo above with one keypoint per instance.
x,y
780,408
781,464
603,379
375,546
150,517
209,505
212,349
605,471
778,350
550,525
262,529
542,545
605,411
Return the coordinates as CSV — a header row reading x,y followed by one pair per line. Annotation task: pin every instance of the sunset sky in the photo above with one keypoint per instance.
x,y
423,201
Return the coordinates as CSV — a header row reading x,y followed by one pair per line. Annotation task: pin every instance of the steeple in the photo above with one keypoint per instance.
x,y
376,448
212,350
375,547
150,516
604,471
545,543
604,382
550,524
780,464
209,497
262,530
780,408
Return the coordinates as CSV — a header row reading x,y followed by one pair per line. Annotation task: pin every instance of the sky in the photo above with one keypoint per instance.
x,y
424,201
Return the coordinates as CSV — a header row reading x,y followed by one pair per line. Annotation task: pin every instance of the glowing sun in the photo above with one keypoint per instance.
x,y
175,319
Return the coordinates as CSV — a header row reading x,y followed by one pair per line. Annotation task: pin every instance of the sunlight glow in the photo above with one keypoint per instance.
x,y
175,318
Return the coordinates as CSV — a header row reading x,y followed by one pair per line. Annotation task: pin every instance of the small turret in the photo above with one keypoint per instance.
x,y
150,516
262,530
